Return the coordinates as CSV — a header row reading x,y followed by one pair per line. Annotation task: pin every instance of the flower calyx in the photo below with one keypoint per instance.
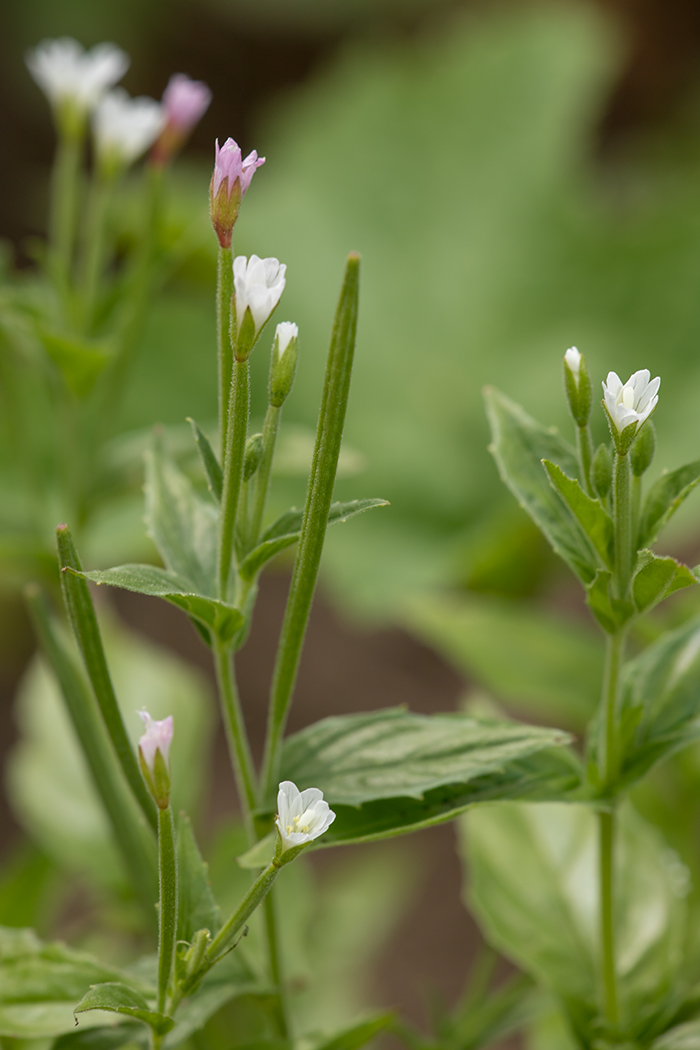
x,y
154,747
578,386
283,364
229,182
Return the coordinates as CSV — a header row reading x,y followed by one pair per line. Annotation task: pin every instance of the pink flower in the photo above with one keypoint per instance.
x,y
231,178
158,737
184,102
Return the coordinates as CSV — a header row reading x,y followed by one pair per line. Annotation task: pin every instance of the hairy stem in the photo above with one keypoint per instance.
x,y
262,475
236,735
239,407
167,911
622,517
584,446
224,291
607,927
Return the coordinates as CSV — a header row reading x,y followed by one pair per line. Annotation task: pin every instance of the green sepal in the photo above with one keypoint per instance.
x,y
656,578
610,612
622,439
120,999
519,444
286,530
602,471
220,617
81,361
157,779
253,455
579,395
593,519
664,498
282,371
245,336
212,467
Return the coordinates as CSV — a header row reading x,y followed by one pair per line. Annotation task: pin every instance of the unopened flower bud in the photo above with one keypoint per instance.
x,y
643,449
253,455
578,386
257,288
301,817
628,405
154,746
184,103
602,471
124,128
229,182
284,362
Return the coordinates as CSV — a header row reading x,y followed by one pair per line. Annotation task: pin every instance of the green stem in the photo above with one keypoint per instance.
x,y
224,292
63,210
262,476
319,494
239,408
636,502
94,248
584,446
255,895
167,910
607,757
622,517
607,927
275,966
236,735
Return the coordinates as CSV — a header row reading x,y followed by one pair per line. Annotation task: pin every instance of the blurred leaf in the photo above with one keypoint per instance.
x,y
48,781
40,984
222,618
519,446
120,999
110,1038
683,1037
27,874
80,360
593,519
197,908
655,578
275,540
534,891
393,753
537,662
664,498
660,702
259,855
358,1035
610,612
212,467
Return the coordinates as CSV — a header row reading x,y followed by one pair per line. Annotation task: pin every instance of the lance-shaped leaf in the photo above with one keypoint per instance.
x,y
519,444
286,530
228,980
611,613
80,360
655,578
212,468
120,999
81,613
682,1037
664,498
660,704
224,619
595,522
357,1035
197,909
182,526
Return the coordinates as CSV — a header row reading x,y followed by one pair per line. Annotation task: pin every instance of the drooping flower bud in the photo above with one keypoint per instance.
x,y
75,80
229,182
602,471
578,386
124,128
154,747
643,449
628,405
252,456
184,103
301,816
257,288
284,362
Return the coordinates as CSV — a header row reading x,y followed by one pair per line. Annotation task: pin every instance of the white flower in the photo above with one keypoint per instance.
x,y
301,815
125,127
258,286
573,360
285,332
633,402
66,72
158,737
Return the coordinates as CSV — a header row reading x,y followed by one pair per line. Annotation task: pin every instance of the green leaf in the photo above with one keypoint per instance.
x,y
610,612
536,662
182,526
664,498
660,703
261,854
224,619
655,578
80,360
682,1037
593,519
274,540
519,444
196,905
40,983
228,980
120,999
212,468
358,1034
528,866
111,1037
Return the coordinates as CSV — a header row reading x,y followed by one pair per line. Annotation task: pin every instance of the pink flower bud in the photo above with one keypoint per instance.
x,y
154,747
231,178
185,102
